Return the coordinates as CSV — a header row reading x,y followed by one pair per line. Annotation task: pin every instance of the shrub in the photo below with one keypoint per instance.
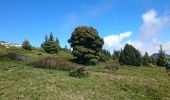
x,y
86,44
111,66
79,72
16,56
54,63
26,45
104,55
93,62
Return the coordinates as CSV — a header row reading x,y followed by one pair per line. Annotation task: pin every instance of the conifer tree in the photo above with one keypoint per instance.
x,y
130,56
161,57
50,45
146,59
86,44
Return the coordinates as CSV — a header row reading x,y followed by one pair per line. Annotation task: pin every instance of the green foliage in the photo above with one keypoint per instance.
x,y
66,49
161,57
26,45
104,55
50,45
86,44
153,61
116,55
130,56
146,59
79,72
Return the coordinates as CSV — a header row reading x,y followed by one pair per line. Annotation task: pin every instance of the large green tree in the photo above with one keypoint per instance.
x,y
50,45
161,57
130,56
86,44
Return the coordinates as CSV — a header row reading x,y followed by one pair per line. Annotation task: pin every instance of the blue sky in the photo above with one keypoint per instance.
x,y
117,21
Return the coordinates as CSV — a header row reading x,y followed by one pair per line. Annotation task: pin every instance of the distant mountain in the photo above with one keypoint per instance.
x,y
155,56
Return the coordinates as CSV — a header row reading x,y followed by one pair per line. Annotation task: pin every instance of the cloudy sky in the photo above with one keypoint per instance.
x,y
143,23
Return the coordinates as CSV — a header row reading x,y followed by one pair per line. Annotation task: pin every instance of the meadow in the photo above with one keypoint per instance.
x,y
20,80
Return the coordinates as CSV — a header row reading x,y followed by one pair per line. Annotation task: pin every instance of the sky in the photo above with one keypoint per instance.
x,y
143,23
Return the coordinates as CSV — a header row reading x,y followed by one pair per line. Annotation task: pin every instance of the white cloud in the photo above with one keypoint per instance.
x,y
153,24
152,47
115,41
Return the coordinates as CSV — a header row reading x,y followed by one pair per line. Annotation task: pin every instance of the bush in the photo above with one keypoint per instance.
x,y
111,66
104,55
79,72
54,63
26,45
15,56
93,62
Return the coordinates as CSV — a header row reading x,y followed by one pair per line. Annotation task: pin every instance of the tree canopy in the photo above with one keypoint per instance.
x,y
51,45
86,44
161,57
130,56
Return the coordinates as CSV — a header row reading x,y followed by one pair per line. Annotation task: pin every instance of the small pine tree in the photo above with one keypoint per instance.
x,y
146,59
26,45
50,45
161,57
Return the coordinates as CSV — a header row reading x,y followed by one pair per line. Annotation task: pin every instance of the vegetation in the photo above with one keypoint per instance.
x,y
40,75
130,56
51,45
161,57
54,63
146,59
79,72
116,55
104,55
26,45
86,44
20,80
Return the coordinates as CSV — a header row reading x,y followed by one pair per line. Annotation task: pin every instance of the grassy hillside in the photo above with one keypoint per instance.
x,y
20,80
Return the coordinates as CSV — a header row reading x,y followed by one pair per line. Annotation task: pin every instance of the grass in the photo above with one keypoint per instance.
x,y
19,80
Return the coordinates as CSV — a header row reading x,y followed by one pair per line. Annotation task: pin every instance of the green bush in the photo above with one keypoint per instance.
x,y
79,72
104,55
54,63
